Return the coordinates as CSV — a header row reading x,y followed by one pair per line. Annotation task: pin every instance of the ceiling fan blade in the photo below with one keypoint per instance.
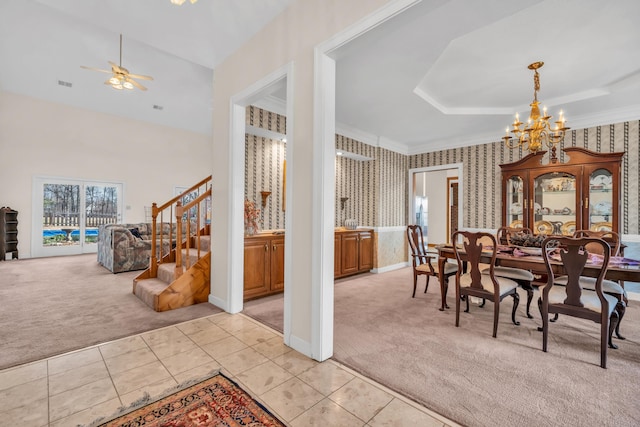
x,y
135,83
95,69
138,76
117,69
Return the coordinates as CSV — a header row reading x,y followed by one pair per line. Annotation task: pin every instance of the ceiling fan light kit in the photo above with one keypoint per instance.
x,y
121,78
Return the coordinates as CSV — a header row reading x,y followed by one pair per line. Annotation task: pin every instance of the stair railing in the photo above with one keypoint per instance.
x,y
161,253
181,211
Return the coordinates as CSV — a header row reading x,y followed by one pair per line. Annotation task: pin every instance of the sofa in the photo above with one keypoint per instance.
x,y
127,247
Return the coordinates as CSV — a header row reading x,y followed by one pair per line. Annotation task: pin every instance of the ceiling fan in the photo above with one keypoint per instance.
x,y
121,78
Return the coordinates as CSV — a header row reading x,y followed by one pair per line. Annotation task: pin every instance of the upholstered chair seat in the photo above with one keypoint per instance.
x,y
511,273
506,285
589,283
449,268
589,299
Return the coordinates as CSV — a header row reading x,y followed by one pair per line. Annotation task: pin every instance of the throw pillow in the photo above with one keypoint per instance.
x,y
136,232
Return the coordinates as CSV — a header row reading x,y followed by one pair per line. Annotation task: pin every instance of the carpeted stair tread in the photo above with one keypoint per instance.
x,y
205,243
148,289
165,272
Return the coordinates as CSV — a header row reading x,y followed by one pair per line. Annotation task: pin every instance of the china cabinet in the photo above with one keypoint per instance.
x,y
559,198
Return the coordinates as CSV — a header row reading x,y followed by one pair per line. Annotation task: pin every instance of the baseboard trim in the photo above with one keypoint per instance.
x,y
390,268
220,303
299,345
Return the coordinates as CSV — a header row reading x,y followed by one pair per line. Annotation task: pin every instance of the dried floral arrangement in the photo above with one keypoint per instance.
x,y
251,215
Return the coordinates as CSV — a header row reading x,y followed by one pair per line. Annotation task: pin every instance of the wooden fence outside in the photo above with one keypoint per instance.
x,y
73,220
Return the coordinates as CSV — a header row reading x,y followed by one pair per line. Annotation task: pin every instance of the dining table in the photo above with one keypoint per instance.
x,y
619,272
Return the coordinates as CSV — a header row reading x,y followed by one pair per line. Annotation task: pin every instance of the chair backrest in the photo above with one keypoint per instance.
x,y
504,233
610,237
416,243
572,253
473,247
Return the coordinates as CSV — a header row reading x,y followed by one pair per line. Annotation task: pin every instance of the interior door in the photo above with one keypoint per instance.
x,y
68,212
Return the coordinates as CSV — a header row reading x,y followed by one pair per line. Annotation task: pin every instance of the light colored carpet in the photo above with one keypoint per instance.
x,y
50,306
468,376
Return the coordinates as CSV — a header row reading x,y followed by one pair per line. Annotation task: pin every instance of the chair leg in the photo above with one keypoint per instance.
x,y
527,287
446,290
516,301
496,315
544,312
457,305
605,327
415,284
540,328
614,321
466,300
621,308
427,285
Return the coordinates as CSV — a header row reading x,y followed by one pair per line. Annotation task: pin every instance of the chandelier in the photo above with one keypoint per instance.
x,y
538,132
179,2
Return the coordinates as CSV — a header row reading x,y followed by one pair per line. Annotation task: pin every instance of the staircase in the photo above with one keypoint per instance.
x,y
180,277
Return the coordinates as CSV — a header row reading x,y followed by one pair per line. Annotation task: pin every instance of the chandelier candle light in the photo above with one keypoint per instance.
x,y
538,132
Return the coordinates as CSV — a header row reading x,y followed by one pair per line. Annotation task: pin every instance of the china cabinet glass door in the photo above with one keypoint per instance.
x,y
555,203
600,200
515,202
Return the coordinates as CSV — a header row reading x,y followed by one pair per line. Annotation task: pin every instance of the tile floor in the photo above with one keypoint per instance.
x,y
78,387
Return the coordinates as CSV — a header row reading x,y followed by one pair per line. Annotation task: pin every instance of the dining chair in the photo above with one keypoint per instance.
x,y
524,278
469,247
571,299
422,260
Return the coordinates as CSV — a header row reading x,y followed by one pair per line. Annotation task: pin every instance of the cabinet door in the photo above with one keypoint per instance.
x,y
337,256
602,198
277,264
556,202
365,251
514,194
256,267
349,252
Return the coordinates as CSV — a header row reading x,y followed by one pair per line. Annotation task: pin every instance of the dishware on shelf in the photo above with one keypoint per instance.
x,y
543,227
516,208
602,208
568,228
602,226
516,224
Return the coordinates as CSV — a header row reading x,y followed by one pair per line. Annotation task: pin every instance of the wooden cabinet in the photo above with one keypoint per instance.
x,y
263,265
8,233
353,252
582,193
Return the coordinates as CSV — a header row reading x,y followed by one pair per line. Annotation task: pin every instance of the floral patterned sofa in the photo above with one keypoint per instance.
x,y
127,247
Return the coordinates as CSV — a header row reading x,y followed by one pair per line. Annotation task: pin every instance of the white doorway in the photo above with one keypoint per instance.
x,y
68,212
435,195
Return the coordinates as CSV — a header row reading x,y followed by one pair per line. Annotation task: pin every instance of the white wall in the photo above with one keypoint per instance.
x,y
289,39
41,138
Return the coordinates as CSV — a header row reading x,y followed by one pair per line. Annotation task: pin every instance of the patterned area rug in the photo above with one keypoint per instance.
x,y
216,401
